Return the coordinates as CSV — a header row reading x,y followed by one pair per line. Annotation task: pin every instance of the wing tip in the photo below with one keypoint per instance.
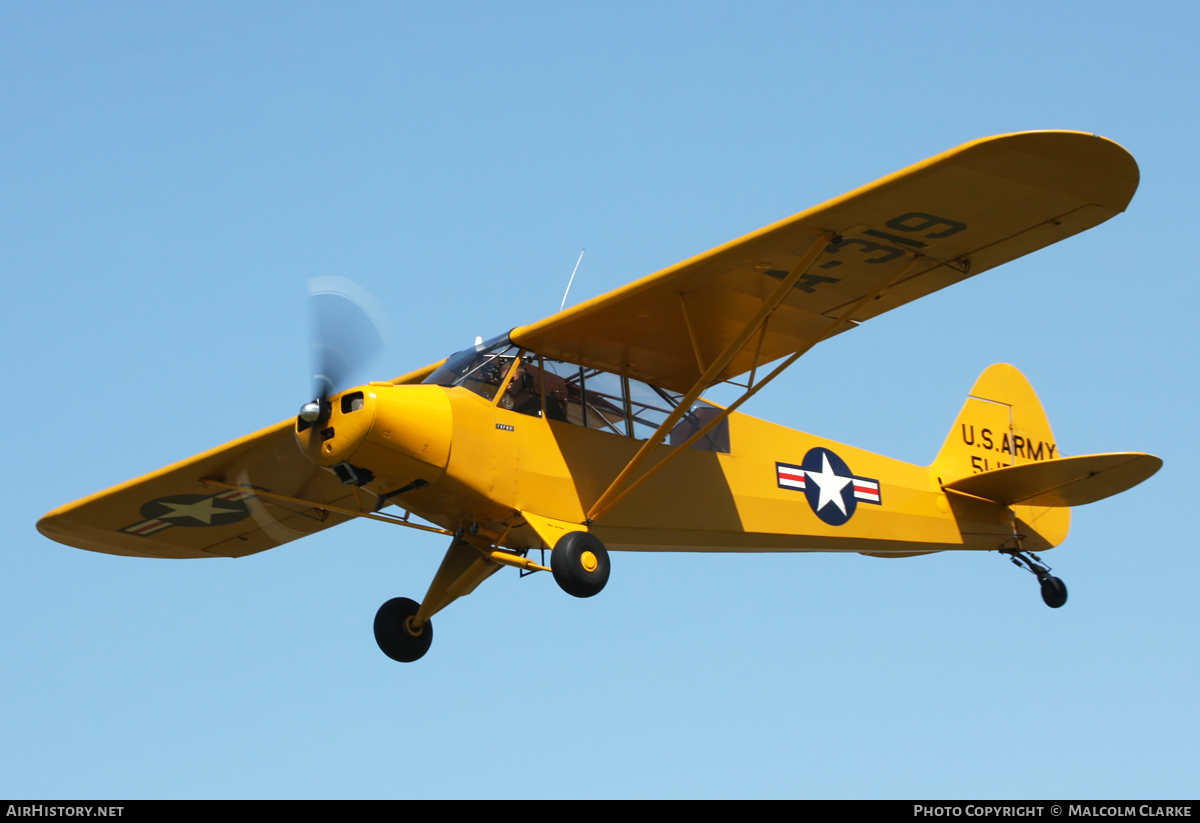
x,y
1105,168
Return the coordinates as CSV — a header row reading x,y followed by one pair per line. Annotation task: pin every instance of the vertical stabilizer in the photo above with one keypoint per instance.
x,y
1003,424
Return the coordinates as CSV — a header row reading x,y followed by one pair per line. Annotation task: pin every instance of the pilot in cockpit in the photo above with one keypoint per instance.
x,y
524,392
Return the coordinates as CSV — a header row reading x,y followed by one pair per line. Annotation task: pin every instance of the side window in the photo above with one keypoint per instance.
x,y
524,391
701,413
649,407
564,392
608,402
604,401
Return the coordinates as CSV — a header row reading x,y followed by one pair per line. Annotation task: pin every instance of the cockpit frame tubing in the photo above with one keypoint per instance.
x,y
606,500
628,406
541,367
751,391
512,370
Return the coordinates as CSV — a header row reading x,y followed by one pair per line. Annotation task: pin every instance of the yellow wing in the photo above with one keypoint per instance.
x,y
966,210
172,513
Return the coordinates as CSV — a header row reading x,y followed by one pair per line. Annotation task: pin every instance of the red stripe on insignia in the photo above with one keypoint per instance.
x,y
234,495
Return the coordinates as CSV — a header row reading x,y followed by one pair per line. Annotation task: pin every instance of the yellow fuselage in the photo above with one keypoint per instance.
x,y
486,466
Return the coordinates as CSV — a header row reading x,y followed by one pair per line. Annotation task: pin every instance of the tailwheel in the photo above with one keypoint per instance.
x,y
580,564
1054,592
397,632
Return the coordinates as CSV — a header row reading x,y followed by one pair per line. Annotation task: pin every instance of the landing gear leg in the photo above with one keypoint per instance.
x,y
1054,591
402,627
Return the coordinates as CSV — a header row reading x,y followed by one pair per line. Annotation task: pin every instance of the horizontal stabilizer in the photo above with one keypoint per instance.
x,y
1066,481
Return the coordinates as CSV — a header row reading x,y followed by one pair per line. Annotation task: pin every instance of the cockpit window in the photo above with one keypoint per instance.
x,y
480,369
604,396
699,416
523,394
564,392
580,395
600,400
649,407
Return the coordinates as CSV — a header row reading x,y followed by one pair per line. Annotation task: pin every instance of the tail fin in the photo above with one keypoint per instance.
x,y
1003,424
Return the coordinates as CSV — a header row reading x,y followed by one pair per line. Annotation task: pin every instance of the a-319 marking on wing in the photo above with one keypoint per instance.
x,y
913,221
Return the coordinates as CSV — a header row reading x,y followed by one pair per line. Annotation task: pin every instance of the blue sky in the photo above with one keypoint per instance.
x,y
172,176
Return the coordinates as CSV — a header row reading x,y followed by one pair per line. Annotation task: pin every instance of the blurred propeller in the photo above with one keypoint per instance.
x,y
348,329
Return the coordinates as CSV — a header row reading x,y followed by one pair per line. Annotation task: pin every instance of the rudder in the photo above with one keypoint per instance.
x,y
1003,424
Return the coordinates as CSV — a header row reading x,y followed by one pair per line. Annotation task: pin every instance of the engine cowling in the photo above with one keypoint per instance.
x,y
397,433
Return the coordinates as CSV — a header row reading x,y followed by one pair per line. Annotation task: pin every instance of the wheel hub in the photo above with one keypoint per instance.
x,y
412,626
589,562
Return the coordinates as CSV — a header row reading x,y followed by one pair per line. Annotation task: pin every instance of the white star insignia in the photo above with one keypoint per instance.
x,y
830,486
203,510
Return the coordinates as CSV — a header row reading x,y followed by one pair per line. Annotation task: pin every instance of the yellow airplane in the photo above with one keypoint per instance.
x,y
586,432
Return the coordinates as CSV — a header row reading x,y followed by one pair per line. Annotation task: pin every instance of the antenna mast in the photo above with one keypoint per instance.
x,y
572,280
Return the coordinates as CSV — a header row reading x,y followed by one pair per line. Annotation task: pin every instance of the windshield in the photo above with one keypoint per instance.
x,y
479,369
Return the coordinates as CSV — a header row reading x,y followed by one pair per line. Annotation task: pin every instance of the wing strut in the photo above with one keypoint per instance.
x,y
687,321
710,374
610,497
315,505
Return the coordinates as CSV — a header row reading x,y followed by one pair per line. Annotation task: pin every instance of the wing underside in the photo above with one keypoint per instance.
x,y
963,211
173,513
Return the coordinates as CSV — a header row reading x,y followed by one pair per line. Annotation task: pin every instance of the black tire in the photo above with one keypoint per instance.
x,y
392,634
570,563
1054,592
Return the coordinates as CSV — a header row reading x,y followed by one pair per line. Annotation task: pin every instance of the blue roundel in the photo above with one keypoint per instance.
x,y
829,486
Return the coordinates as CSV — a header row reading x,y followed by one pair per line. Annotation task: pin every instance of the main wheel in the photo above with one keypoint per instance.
x,y
580,564
394,634
1054,592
